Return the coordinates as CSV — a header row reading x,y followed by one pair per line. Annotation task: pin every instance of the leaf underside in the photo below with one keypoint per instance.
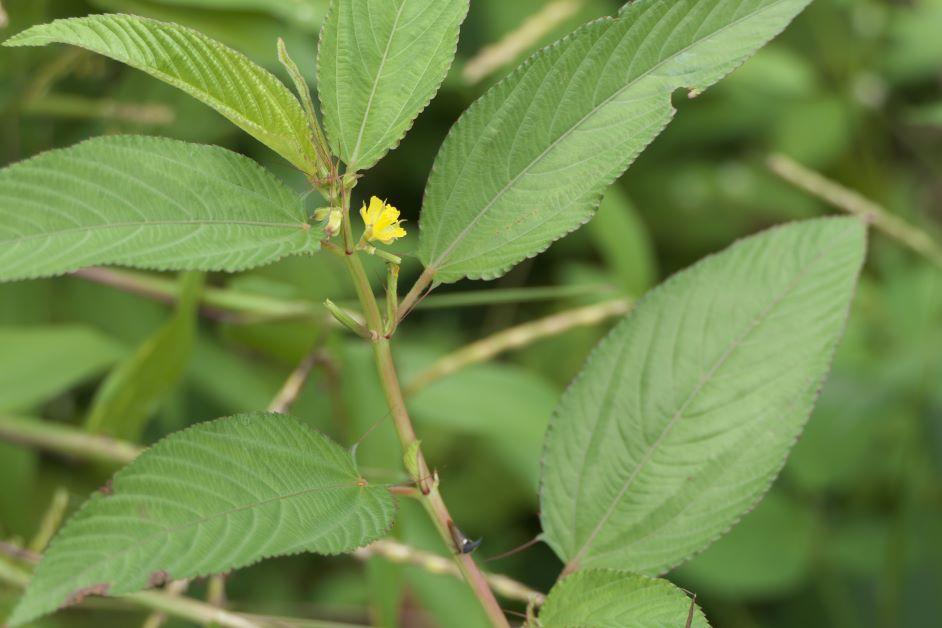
x,y
684,414
529,161
607,598
226,80
130,394
145,202
217,496
380,62
39,362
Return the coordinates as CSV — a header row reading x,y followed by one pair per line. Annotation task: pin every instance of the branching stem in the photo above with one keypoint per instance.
x,y
433,563
432,500
518,336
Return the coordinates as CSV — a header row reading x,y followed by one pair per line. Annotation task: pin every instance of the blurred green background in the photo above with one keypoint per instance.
x,y
851,533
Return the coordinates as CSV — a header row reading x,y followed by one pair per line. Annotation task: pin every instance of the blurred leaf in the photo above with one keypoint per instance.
x,y
27,303
915,49
624,243
129,318
507,405
386,588
236,383
769,553
607,598
249,96
380,62
37,363
859,546
840,441
128,397
307,13
529,161
19,468
145,202
814,132
217,496
192,120
249,32
927,115
684,413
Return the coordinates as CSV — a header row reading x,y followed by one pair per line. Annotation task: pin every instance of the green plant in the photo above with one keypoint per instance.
x,y
679,421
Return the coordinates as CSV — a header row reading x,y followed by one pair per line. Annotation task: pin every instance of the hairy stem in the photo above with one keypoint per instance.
x,y
853,203
291,389
433,563
492,58
431,499
66,440
177,606
231,303
412,298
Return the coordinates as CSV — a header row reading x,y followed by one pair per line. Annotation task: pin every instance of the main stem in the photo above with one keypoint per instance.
x,y
431,498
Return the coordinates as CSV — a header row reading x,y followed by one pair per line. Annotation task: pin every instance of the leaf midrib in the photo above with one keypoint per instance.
x,y
154,223
379,73
280,139
704,381
196,522
434,265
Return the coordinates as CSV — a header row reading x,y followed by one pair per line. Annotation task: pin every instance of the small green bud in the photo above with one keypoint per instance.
x,y
333,222
350,181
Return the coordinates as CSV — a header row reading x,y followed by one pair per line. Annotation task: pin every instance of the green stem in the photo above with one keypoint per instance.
x,y
853,203
254,306
51,520
67,106
386,255
412,298
184,608
433,563
432,500
518,336
64,439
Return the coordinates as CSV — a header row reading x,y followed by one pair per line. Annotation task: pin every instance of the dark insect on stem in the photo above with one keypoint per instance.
x,y
463,544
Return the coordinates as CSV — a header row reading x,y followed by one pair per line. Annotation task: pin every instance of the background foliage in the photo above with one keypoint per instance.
x,y
851,535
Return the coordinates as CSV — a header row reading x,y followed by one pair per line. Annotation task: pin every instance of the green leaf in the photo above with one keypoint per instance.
x,y
217,496
248,95
37,363
770,553
380,62
307,13
128,397
684,414
529,161
145,202
607,598
624,243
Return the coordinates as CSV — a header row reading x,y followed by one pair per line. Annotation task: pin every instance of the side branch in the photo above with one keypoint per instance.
x,y
182,607
433,563
853,203
67,440
515,337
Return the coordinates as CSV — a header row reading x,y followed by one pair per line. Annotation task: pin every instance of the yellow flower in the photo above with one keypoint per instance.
x,y
382,222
